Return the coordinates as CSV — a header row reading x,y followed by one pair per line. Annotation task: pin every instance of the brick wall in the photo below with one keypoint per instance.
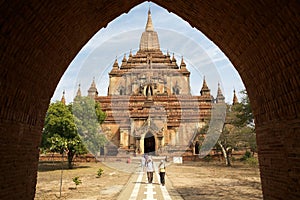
x,y
40,38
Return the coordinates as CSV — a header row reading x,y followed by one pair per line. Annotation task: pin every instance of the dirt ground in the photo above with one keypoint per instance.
x,y
193,180
202,180
108,186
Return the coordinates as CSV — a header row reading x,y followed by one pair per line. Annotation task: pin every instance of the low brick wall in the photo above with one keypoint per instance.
x,y
58,157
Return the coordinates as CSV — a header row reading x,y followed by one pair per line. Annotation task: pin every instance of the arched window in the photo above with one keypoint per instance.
x,y
121,90
176,90
149,91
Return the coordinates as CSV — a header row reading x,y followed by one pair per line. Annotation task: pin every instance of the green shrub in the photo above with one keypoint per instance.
x,y
100,172
76,181
246,156
253,162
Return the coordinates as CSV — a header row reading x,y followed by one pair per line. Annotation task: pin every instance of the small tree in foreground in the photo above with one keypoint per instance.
x,y
77,181
72,147
60,132
99,172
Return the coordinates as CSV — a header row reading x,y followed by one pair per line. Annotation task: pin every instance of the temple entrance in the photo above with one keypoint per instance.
x,y
102,151
149,143
197,149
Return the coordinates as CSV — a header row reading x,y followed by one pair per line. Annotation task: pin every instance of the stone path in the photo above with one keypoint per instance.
x,y
138,188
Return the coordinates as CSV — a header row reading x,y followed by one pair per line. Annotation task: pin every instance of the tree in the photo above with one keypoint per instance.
x,y
238,130
244,120
89,116
243,112
60,132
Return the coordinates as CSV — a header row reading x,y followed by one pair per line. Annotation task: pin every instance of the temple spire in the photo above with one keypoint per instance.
x,y
149,39
235,99
116,65
130,56
93,83
149,25
124,60
182,64
63,100
204,90
78,94
219,90
173,58
220,97
92,92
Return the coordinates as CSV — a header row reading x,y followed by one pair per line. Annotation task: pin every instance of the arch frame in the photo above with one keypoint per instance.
x,y
261,39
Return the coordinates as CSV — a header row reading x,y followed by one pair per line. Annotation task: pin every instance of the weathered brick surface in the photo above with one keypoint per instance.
x,y
40,38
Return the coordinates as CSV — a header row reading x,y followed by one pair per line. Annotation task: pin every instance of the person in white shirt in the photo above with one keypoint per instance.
x,y
150,170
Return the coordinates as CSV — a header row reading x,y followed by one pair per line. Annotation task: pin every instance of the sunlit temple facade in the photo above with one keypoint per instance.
x,y
149,105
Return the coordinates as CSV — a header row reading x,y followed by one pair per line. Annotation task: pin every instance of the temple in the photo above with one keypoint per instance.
x,y
149,105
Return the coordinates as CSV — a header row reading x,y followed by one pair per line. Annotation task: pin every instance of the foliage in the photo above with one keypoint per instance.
x,y
252,161
238,131
58,144
77,181
60,132
99,113
100,172
244,121
243,112
246,156
249,159
89,116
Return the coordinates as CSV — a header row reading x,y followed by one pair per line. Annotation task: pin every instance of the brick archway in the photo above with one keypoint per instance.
x,y
40,38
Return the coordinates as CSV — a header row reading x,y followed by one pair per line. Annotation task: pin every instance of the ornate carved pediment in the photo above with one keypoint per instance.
x,y
148,126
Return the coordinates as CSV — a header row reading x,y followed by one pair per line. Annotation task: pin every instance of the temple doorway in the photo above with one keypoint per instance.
x,y
102,151
197,149
149,143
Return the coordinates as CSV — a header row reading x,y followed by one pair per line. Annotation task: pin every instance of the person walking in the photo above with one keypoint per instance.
x,y
162,172
150,169
143,163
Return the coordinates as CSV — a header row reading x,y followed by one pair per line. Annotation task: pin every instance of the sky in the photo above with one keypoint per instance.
x,y
122,35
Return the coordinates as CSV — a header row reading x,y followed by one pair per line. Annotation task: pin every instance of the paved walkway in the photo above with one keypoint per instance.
x,y
138,187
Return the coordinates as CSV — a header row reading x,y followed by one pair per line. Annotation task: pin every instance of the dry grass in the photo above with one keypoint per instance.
x,y
213,180
107,186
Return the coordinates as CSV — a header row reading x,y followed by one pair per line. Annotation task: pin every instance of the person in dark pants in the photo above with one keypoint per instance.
x,y
162,172
150,170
